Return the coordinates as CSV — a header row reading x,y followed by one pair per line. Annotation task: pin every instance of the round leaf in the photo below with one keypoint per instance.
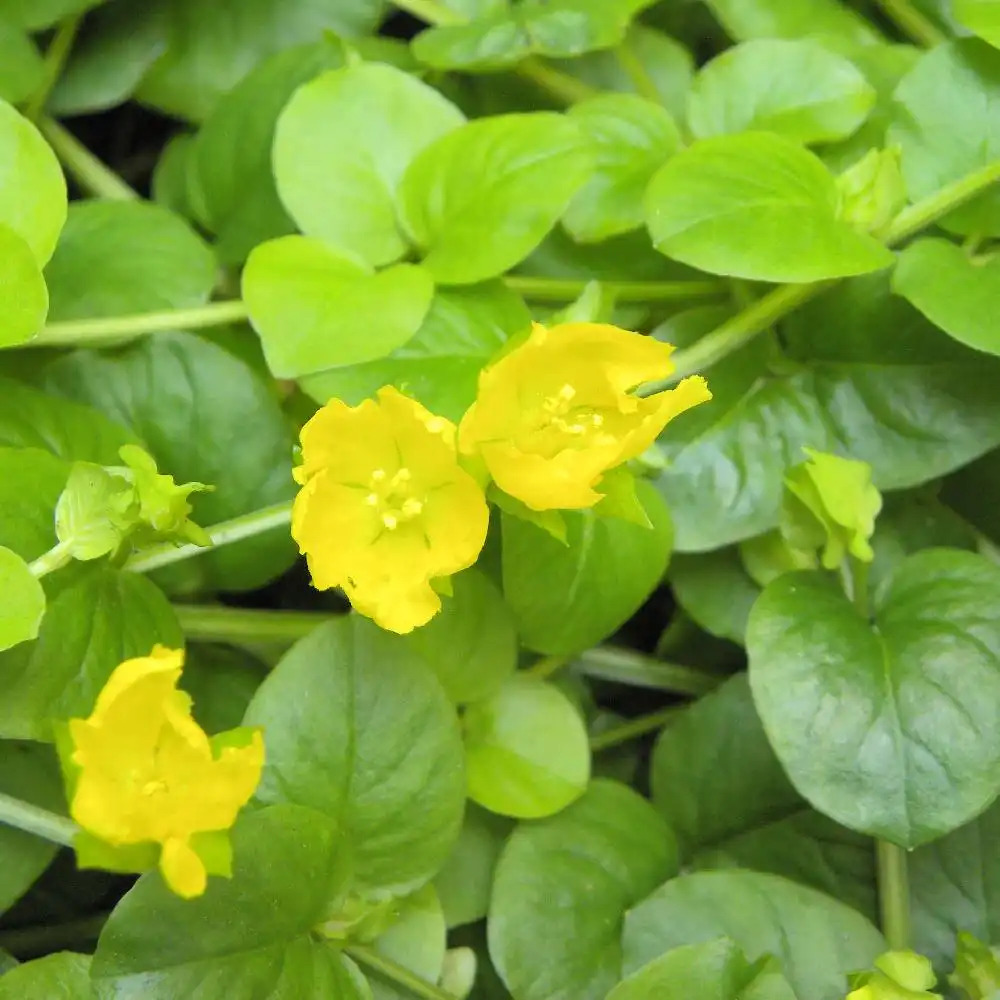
x,y
817,940
795,88
745,19
416,941
316,308
480,199
913,748
22,603
32,186
340,150
61,976
21,67
24,299
30,483
375,746
562,888
526,750
981,17
954,292
702,204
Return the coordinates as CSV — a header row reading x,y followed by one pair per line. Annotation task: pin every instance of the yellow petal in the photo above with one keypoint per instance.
x,y
564,482
182,869
660,409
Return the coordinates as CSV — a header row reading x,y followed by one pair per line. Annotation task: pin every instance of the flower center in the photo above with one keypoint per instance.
x,y
392,497
567,418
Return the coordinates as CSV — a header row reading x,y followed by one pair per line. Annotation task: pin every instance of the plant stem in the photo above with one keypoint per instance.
x,y
913,23
78,332
86,169
46,938
625,666
397,974
546,667
224,533
48,562
217,623
632,729
55,59
568,289
858,578
33,819
894,894
643,83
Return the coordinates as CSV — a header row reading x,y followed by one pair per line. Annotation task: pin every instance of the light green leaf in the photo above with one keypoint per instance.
x,y
563,886
981,17
96,619
248,936
315,307
873,191
630,137
24,297
121,257
914,746
568,597
21,67
416,941
816,939
977,968
947,124
795,88
954,291
745,19
714,969
22,600
341,148
702,203
376,747
480,199
61,976
440,364
526,750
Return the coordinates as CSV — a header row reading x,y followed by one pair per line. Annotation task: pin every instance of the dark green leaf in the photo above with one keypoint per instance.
x,y
30,483
21,67
715,589
36,14
562,888
222,681
913,748
375,746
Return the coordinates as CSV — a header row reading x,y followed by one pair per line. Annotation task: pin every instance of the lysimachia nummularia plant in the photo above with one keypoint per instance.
x,y
499,499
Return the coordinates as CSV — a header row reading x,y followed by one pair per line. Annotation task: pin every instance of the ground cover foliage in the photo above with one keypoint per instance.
x,y
728,728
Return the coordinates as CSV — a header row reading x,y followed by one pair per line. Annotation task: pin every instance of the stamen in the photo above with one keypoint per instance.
x,y
411,507
390,521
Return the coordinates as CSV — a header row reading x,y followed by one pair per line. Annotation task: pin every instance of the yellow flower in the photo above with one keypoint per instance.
x,y
148,774
385,508
553,415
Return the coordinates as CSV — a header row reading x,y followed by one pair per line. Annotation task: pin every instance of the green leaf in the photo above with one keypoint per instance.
x,y
209,49
715,589
744,19
440,364
977,968
471,644
21,67
35,14
375,746
481,198
61,976
719,785
231,154
23,600
630,138
95,620
702,203
246,936
526,750
817,939
873,191
28,771
32,419
30,483
981,17
96,510
315,307
912,751
227,431
121,257
568,597
716,968
795,88
221,680
946,125
32,187
865,376
24,295
562,888
416,941
465,882
341,148
954,291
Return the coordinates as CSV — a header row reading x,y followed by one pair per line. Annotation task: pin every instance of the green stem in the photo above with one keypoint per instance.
x,y
33,819
894,894
224,533
47,938
624,666
636,71
547,667
566,290
77,332
55,58
632,729
217,623
913,23
86,169
397,974
57,557
858,577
